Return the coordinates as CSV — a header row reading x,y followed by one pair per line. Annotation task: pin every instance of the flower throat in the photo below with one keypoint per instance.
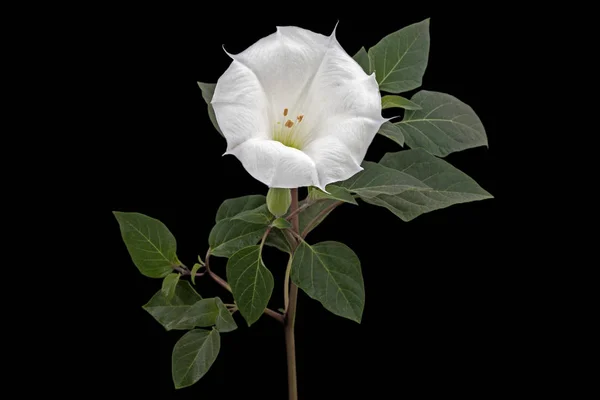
x,y
286,131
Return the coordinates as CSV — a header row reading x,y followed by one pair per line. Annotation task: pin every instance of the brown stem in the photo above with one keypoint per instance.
x,y
221,281
290,312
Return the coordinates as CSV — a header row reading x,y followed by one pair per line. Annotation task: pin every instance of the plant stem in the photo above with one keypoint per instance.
x,y
290,311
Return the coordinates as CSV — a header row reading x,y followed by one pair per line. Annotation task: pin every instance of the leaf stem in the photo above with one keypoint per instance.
x,y
298,210
290,309
316,219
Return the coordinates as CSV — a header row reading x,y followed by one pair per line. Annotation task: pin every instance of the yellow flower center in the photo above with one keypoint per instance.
x,y
286,131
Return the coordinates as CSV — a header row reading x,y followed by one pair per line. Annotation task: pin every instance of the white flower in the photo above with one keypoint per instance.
x,y
297,110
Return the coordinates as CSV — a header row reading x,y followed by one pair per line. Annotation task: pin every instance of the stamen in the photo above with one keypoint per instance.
x,y
299,117
289,122
285,112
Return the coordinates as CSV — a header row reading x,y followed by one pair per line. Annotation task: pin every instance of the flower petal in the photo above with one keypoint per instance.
x,y
333,159
284,63
275,164
241,107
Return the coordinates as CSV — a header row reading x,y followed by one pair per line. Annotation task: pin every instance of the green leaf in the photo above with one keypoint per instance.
x,y
187,310
195,269
251,282
277,239
282,223
330,272
400,58
151,245
378,179
362,58
224,322
171,313
169,285
208,90
311,216
443,125
232,207
391,131
398,102
335,193
259,215
193,355
229,236
449,185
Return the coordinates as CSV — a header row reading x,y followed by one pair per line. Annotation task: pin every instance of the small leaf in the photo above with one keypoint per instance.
x,y
335,193
330,272
151,245
311,216
400,58
193,355
278,240
170,313
251,282
208,90
392,131
260,215
378,179
229,236
282,223
224,321
398,102
232,207
195,269
169,285
449,185
443,125
362,58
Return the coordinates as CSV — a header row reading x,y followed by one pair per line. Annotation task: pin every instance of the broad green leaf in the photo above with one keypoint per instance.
x,y
251,282
376,179
400,58
170,313
169,285
277,239
195,269
362,58
443,125
391,131
208,90
330,272
259,215
398,102
224,321
187,310
231,207
230,235
335,193
151,245
282,223
449,185
313,215
193,355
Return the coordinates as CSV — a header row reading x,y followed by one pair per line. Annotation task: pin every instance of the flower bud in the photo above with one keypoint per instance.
x,y
278,201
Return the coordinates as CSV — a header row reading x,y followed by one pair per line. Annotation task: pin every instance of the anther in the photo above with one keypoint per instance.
x,y
285,112
289,123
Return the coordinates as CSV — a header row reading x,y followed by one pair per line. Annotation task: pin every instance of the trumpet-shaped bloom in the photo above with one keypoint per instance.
x,y
297,110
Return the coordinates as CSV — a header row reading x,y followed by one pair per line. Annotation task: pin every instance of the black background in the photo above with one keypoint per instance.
x,y
440,296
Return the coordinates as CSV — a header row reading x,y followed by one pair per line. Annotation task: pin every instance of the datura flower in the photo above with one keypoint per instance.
x,y
297,110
